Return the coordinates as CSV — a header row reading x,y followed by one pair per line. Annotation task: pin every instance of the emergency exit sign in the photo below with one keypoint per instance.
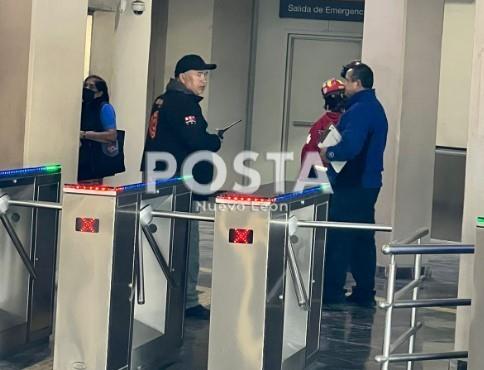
x,y
336,10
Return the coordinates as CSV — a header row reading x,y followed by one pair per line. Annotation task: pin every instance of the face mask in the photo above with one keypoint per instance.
x,y
87,95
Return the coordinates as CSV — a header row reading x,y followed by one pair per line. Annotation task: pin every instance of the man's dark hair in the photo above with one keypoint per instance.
x,y
363,73
348,66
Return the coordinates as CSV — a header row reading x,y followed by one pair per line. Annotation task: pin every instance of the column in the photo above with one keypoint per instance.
x,y
474,194
42,62
402,44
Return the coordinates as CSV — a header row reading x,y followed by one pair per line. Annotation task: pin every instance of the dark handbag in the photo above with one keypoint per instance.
x,y
111,160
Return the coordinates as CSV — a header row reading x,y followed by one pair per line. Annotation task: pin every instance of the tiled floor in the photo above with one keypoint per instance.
x,y
350,337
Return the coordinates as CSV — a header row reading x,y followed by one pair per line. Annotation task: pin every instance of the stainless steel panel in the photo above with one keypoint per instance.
x,y
26,305
296,361
448,198
296,319
163,349
85,270
122,291
275,288
238,291
152,313
44,247
14,278
314,323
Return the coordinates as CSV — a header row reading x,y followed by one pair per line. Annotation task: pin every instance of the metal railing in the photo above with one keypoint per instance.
x,y
407,246
5,203
293,223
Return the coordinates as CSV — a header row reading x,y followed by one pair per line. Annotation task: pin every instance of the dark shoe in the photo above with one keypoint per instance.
x,y
361,299
198,312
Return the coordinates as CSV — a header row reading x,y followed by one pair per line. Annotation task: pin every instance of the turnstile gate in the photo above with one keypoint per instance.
x,y
28,241
121,291
267,280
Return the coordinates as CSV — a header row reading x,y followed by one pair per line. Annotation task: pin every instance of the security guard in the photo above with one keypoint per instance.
x,y
177,126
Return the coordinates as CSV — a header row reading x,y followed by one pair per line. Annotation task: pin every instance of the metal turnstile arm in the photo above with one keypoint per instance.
x,y
343,225
159,257
140,271
5,202
182,216
35,204
300,290
18,245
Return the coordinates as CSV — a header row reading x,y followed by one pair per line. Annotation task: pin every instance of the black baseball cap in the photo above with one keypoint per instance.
x,y
192,61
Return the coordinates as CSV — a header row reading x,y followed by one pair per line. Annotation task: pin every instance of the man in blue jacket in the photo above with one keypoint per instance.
x,y
363,128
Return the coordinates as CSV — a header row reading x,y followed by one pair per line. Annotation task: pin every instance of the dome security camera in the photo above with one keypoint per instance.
x,y
138,7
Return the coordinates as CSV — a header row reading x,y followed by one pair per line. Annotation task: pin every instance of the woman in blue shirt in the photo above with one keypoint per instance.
x,y
98,131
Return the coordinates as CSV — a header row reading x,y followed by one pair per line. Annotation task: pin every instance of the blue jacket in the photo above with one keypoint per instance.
x,y
364,129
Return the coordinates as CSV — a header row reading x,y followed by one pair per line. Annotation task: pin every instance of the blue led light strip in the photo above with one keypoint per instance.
x,y
142,186
300,194
22,172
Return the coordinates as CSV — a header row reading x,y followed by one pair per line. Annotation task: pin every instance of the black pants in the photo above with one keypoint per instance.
x,y
352,250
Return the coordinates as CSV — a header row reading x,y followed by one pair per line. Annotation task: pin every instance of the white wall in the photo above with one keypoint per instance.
x,y
190,26
270,71
15,20
156,67
219,31
229,83
129,87
55,84
455,73
102,45
121,57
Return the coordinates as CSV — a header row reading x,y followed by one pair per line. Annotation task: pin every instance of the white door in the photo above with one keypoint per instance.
x,y
311,60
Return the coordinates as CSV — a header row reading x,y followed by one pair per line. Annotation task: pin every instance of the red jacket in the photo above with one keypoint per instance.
x,y
327,119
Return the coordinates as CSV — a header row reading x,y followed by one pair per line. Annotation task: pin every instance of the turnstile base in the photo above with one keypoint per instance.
x,y
8,321
149,353
296,361
458,365
143,334
13,333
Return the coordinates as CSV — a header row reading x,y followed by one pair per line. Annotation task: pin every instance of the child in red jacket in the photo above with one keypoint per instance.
x,y
333,94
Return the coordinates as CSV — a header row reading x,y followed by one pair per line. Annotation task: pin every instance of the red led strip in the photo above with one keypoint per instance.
x,y
245,198
90,187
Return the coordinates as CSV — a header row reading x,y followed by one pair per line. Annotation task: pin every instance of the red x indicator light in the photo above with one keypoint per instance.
x,y
241,236
87,225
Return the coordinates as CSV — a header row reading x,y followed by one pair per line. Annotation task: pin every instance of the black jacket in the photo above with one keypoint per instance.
x,y
181,129
90,151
